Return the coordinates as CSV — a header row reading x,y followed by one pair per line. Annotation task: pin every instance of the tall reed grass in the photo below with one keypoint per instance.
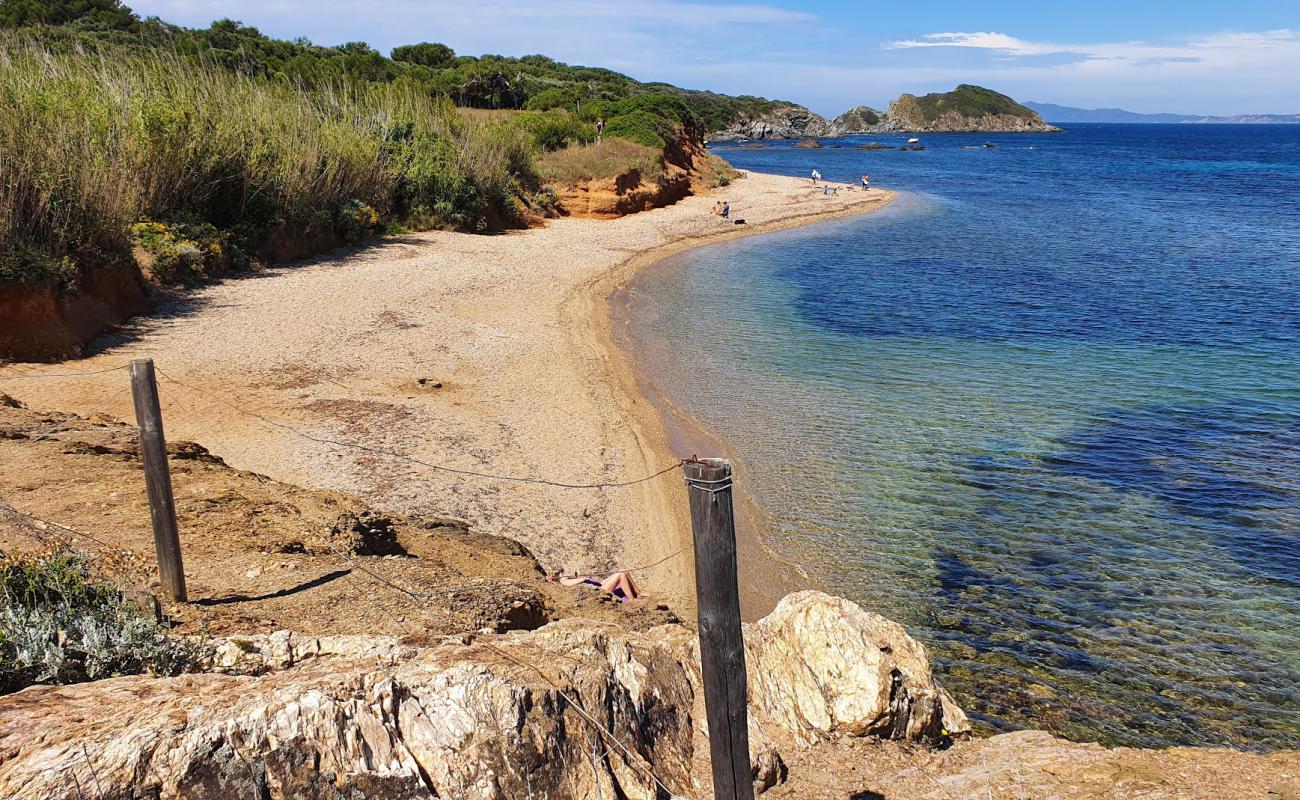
x,y
93,142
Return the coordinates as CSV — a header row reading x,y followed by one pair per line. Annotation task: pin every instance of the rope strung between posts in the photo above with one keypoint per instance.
x,y
352,561
9,509
47,432
39,375
77,417
633,760
643,567
412,460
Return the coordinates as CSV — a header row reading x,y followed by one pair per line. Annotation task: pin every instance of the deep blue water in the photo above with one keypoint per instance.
x,y
1044,410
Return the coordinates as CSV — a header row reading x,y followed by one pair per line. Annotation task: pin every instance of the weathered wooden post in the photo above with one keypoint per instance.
x,y
722,650
158,478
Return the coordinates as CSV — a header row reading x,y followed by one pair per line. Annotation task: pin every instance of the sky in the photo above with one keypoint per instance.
x,y
1180,56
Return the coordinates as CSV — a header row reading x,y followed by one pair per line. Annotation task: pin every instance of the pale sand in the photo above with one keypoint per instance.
x,y
517,329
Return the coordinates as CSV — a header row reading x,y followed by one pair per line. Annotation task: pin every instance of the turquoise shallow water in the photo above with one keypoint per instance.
x,y
1044,410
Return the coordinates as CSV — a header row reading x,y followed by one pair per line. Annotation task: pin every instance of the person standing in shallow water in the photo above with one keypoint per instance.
x,y
866,181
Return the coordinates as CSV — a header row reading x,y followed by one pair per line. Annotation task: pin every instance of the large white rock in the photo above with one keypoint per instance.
x,y
576,709
821,665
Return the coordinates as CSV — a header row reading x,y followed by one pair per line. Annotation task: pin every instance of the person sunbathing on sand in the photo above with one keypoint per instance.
x,y
619,584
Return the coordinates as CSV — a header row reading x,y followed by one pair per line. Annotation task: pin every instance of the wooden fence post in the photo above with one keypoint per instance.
x,y
722,650
158,478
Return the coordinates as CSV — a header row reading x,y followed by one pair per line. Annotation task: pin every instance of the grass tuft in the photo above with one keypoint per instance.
x,y
581,162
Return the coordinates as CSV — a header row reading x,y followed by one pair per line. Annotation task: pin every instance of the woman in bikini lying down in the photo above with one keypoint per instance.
x,y
619,584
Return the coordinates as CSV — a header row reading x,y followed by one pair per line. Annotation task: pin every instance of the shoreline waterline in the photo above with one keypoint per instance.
x,y
513,329
664,427
1041,411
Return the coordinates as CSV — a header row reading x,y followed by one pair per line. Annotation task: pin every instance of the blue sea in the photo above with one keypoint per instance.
x,y
1044,410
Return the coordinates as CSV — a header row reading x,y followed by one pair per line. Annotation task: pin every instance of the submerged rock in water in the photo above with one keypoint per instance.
x,y
575,709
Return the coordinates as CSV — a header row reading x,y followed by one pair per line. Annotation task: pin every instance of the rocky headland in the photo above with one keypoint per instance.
x,y
577,709
783,122
966,109
859,119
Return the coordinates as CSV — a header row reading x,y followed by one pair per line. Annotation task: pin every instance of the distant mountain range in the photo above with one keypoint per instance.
x,y
1054,113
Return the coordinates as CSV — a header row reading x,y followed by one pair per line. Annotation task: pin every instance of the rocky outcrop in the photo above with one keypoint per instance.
x,y
575,709
966,109
1034,765
822,666
620,195
685,168
783,122
859,119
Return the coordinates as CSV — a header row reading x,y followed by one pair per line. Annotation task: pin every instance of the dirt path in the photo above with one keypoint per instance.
x,y
486,354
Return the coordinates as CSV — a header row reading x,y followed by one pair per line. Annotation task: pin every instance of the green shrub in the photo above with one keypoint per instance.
x,y
546,202
641,127
107,120
58,625
553,97
25,265
185,253
103,14
356,221
555,129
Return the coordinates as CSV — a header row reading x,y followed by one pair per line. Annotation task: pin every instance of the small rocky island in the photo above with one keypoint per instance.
x,y
966,109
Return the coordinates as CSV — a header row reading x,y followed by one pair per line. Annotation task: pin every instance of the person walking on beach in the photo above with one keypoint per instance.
x,y
726,210
816,176
600,130
866,181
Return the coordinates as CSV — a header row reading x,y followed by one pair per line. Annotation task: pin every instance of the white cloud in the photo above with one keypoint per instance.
x,y
1221,73
1247,46
1000,42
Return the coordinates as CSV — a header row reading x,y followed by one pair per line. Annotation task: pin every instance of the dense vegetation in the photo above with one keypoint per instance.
x,y
93,146
966,100
60,625
195,146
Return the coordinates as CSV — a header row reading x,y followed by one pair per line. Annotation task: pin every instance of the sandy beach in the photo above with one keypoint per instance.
x,y
486,355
